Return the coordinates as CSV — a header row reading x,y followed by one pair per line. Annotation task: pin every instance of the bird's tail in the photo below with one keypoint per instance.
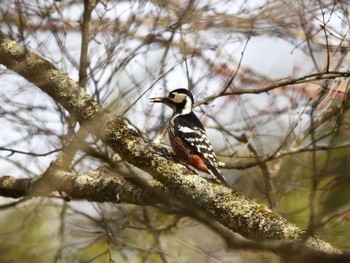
x,y
216,173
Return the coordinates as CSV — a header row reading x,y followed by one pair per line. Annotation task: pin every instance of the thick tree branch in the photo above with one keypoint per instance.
x,y
102,186
97,186
232,209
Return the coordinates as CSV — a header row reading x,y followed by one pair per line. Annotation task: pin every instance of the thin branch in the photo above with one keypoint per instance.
x,y
89,6
278,84
13,151
280,154
228,84
270,191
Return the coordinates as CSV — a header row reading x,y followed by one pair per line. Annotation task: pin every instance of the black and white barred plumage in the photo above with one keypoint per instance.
x,y
187,134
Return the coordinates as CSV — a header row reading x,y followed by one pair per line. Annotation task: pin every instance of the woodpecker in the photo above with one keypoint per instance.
x,y
187,135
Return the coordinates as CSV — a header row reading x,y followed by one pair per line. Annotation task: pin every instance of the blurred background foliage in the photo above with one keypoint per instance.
x,y
274,71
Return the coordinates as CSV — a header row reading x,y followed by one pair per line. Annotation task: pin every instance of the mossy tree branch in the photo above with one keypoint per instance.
x,y
230,208
88,186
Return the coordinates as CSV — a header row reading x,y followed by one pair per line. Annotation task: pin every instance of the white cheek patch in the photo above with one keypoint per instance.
x,y
179,98
182,99
188,105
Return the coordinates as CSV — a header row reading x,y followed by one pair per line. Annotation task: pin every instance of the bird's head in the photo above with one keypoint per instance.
x,y
180,100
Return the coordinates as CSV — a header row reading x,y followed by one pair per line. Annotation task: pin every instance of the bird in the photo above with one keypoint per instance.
x,y
187,135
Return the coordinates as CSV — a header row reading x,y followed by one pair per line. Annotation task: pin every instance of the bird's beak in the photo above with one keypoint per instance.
x,y
160,99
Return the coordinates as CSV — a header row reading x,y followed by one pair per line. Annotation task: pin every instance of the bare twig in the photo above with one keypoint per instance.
x,y
89,6
278,84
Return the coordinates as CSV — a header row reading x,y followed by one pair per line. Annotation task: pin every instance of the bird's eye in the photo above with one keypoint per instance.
x,y
171,95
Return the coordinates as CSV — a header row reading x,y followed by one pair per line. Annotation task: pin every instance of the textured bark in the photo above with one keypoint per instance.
x,y
232,209
88,186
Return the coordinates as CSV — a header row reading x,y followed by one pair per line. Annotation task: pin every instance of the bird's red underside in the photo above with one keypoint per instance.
x,y
198,162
